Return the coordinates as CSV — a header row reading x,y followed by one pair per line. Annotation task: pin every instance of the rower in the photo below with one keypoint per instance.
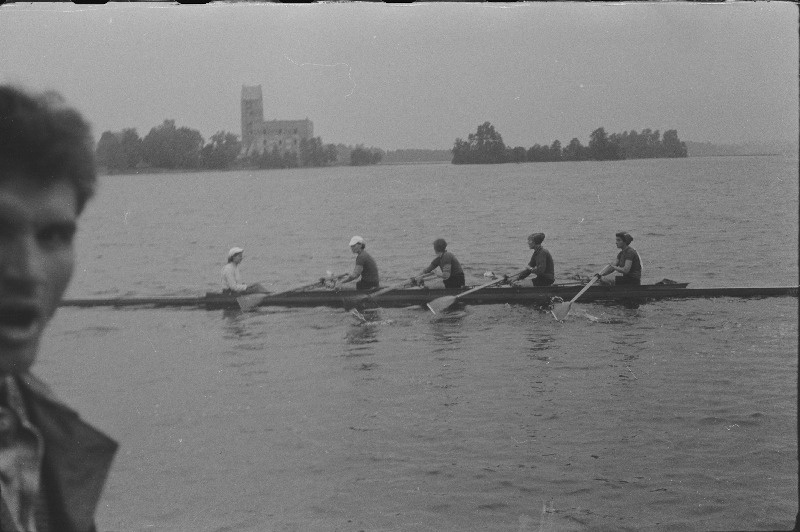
x,y
232,279
365,267
451,272
541,262
629,264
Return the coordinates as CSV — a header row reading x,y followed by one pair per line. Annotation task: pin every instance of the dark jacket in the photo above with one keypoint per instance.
x,y
77,458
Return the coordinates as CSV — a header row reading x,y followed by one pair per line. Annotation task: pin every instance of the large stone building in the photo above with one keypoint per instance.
x,y
259,135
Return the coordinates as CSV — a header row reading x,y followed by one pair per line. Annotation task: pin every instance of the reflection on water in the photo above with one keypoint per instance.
x,y
234,324
363,332
539,342
631,337
447,326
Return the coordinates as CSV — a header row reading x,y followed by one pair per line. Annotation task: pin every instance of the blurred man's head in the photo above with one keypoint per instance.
x,y
47,175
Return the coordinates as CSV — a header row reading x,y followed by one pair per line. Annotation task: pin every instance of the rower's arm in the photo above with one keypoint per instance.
x,y
534,266
539,266
355,275
432,266
625,269
446,265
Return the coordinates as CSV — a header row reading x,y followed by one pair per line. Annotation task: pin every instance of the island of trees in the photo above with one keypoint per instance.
x,y
486,146
168,147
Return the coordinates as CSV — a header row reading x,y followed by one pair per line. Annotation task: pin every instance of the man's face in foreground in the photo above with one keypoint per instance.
x,y
37,226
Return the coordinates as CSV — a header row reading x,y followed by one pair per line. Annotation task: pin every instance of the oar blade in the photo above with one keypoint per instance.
x,y
441,303
561,310
359,302
250,301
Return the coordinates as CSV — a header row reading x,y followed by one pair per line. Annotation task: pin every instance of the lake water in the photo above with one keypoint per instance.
x,y
678,415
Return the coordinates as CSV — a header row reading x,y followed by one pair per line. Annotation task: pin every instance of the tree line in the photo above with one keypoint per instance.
x,y
181,148
486,146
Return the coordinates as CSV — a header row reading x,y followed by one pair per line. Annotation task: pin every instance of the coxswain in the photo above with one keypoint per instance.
x,y
232,279
365,267
451,272
541,262
629,264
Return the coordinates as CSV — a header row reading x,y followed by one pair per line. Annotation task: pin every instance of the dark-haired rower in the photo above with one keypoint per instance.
x,y
541,262
451,272
629,264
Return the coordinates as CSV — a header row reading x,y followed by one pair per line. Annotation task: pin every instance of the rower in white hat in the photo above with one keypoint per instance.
x,y
365,267
232,279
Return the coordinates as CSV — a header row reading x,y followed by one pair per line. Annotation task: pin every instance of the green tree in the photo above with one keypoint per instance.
x,y
538,154
574,151
672,145
517,155
119,151
601,148
166,146
485,146
361,156
555,150
221,151
108,151
131,146
314,153
331,153
461,152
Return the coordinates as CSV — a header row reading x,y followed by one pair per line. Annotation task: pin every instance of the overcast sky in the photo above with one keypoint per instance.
x,y
420,75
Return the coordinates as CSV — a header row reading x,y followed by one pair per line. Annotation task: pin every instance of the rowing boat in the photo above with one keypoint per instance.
x,y
420,296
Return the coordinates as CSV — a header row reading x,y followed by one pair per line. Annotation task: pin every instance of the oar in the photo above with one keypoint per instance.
x,y
441,303
250,301
561,310
361,298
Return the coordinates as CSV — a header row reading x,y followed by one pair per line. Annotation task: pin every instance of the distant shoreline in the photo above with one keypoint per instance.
x,y
146,171
739,155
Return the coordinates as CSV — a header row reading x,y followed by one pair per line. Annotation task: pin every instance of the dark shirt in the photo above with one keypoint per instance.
x,y
369,272
636,264
442,261
542,264
77,458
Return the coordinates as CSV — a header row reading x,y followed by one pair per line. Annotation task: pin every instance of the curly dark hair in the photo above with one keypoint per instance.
x,y
45,140
625,237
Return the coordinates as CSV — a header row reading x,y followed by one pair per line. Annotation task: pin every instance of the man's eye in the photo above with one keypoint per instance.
x,y
57,235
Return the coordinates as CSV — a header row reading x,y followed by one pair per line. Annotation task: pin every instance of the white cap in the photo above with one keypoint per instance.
x,y
234,251
356,240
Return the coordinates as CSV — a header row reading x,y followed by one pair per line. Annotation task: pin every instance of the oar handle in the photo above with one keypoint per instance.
x,y
490,283
584,289
393,287
414,281
335,280
605,271
298,288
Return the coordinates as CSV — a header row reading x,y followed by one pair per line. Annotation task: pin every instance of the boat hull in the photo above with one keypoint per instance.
x,y
421,296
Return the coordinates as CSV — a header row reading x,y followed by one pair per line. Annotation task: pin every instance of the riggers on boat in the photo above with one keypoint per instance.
x,y
421,296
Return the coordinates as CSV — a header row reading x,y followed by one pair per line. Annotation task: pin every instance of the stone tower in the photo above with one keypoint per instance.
x,y
252,116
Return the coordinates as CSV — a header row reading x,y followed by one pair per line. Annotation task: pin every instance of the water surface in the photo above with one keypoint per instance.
x,y
678,415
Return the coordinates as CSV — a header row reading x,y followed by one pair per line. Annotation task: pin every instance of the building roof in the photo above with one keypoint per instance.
x,y
251,92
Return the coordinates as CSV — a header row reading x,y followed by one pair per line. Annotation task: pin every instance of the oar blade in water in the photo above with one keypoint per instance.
x,y
561,310
359,302
441,303
250,301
